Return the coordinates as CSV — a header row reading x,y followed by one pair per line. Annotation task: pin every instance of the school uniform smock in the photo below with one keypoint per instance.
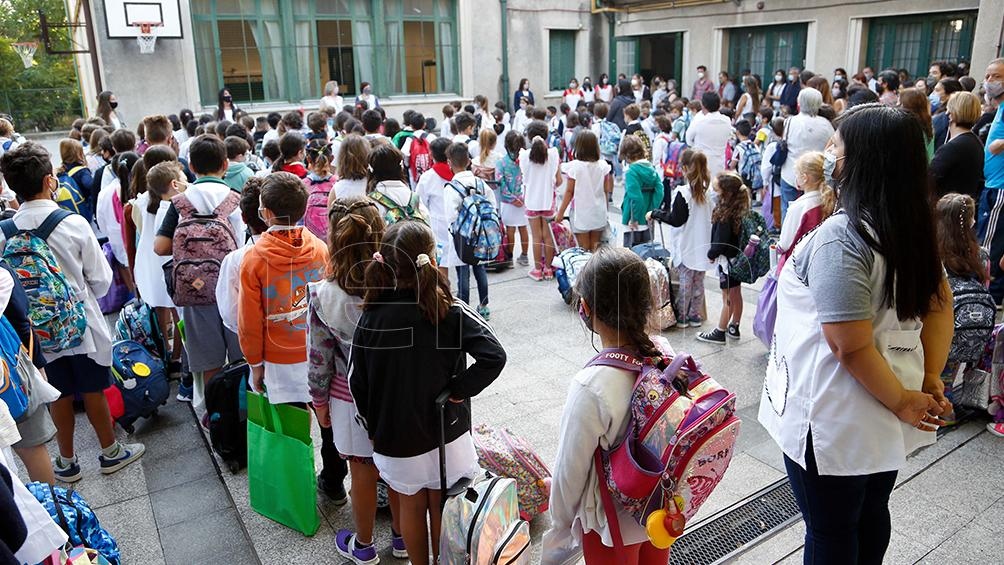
x,y
149,268
589,211
690,228
834,276
538,180
399,363
430,188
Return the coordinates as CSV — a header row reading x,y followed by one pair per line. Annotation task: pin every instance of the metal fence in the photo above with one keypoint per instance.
x,y
42,109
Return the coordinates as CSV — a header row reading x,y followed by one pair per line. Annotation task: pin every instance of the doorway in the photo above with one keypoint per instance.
x,y
650,55
334,43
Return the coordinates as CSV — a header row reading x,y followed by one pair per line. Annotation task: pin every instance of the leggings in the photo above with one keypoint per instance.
x,y
638,554
690,299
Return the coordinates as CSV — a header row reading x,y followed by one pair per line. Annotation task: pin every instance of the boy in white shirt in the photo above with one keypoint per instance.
x,y
229,284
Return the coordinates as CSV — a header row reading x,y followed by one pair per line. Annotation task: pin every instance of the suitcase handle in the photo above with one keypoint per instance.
x,y
441,401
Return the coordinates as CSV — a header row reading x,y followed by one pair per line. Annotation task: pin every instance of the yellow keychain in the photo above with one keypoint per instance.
x,y
141,370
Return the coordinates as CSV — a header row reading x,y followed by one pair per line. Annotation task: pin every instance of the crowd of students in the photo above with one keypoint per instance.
x,y
335,227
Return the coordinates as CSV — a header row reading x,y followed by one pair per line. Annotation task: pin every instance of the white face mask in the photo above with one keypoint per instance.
x,y
778,78
700,75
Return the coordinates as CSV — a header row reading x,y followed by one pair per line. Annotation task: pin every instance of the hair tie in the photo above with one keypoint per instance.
x,y
378,257
422,260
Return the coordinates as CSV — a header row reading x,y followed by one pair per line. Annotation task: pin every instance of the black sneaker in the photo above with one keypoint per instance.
x,y
336,492
733,331
714,336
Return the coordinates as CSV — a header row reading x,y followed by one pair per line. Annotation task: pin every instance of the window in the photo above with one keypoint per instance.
x,y
914,42
286,50
766,49
562,58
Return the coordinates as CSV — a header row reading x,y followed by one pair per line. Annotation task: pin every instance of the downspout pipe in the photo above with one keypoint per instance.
x,y
504,9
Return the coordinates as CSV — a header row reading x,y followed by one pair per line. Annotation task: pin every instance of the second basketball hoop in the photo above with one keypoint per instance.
x,y
147,36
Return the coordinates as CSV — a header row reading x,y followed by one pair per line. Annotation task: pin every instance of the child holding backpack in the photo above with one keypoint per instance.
x,y
398,366
540,166
510,186
689,216
416,151
589,183
334,309
614,300
319,182
747,158
79,352
732,206
388,189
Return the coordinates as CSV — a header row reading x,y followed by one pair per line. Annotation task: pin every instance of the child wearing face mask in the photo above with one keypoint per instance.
x,y
572,94
588,92
809,210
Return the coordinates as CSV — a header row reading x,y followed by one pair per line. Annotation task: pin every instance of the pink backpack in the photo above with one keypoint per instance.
x,y
505,454
678,444
316,217
201,241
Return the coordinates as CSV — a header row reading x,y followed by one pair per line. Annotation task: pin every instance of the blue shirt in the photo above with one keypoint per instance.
x,y
993,165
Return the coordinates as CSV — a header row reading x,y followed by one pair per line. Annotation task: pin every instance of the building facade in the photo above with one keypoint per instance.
x,y
278,54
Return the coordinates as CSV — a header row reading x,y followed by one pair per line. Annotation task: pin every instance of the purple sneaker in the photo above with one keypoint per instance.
x,y
397,545
345,543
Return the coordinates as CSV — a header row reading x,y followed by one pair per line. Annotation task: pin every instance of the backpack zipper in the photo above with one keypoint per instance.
x,y
477,513
678,473
513,530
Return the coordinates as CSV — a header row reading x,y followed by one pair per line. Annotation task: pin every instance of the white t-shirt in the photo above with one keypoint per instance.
x,y
538,180
349,187
335,102
710,134
590,201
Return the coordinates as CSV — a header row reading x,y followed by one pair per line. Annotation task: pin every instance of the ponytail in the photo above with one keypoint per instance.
x,y
695,164
403,262
537,133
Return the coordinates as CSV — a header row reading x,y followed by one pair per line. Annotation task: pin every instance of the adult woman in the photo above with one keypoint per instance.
x,y
808,131
939,100
225,108
604,90
588,90
523,91
853,381
366,95
958,164
331,101
839,92
820,83
774,91
108,109
914,100
749,102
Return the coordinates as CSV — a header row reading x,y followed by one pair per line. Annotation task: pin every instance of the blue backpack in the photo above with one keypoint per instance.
x,y
57,315
138,322
13,389
610,138
70,511
142,380
70,197
477,231
749,166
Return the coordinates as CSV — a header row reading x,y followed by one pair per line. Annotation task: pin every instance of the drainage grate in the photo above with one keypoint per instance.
x,y
737,528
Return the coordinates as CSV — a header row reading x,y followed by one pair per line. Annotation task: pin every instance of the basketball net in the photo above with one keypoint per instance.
x,y
26,50
146,39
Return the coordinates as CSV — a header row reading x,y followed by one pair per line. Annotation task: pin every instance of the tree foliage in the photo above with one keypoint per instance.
x,y
45,96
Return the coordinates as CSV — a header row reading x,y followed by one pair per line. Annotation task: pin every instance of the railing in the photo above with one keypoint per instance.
x,y
41,109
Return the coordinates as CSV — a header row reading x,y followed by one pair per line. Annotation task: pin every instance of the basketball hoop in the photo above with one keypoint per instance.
x,y
26,50
146,39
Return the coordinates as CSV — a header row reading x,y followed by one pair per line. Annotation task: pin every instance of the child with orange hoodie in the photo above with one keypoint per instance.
x,y
272,312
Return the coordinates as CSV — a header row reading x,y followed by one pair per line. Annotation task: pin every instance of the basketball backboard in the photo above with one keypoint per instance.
x,y
122,15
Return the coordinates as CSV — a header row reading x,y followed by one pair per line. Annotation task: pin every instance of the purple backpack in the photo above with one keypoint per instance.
x,y
118,294
316,217
201,241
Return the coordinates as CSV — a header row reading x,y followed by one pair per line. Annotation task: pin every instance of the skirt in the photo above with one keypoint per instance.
x,y
351,440
513,216
409,475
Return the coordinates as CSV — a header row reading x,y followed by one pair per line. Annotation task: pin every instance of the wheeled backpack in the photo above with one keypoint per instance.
x,y
975,313
567,266
226,404
141,379
505,454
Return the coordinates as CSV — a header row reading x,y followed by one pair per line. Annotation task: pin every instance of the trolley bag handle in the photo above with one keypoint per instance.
x,y
441,401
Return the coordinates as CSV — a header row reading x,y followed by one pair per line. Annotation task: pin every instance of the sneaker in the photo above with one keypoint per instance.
x,y
733,331
485,312
548,273
128,452
397,546
345,543
336,492
714,336
204,421
695,322
184,391
682,325
523,260
995,428
66,471
536,274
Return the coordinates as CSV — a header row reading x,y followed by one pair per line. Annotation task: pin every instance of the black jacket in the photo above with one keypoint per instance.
x,y
957,166
400,363
621,101
724,241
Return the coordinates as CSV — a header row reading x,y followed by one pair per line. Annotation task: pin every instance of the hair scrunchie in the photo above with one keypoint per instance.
x,y
422,260
377,257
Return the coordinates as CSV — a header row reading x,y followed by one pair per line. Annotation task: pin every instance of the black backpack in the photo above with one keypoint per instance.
x,y
974,318
226,404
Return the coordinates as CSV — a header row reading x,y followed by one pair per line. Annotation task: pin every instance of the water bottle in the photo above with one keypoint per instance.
x,y
773,257
751,246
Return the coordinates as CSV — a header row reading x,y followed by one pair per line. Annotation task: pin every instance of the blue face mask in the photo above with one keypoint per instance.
x,y
935,100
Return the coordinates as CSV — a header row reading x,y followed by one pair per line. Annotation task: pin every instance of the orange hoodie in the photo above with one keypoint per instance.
x,y
272,308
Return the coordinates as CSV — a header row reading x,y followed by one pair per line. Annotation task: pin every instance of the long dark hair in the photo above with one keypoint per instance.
x,y
105,109
220,114
122,166
884,189
386,164
397,267
536,132
290,144
522,81
615,286
956,238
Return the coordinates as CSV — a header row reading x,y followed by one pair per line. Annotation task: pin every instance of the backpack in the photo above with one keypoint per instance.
x,y
316,217
482,526
420,156
395,212
57,315
671,169
610,138
70,197
567,266
505,454
118,293
477,231
201,241
749,166
662,316
14,389
138,322
750,268
645,142
974,318
141,379
226,404
679,442
71,512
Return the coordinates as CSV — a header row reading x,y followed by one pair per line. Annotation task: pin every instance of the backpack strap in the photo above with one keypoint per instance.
x,y
183,205
51,221
9,228
608,503
74,170
229,204
461,191
617,358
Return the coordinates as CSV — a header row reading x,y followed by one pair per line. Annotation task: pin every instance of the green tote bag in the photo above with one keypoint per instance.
x,y
281,464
